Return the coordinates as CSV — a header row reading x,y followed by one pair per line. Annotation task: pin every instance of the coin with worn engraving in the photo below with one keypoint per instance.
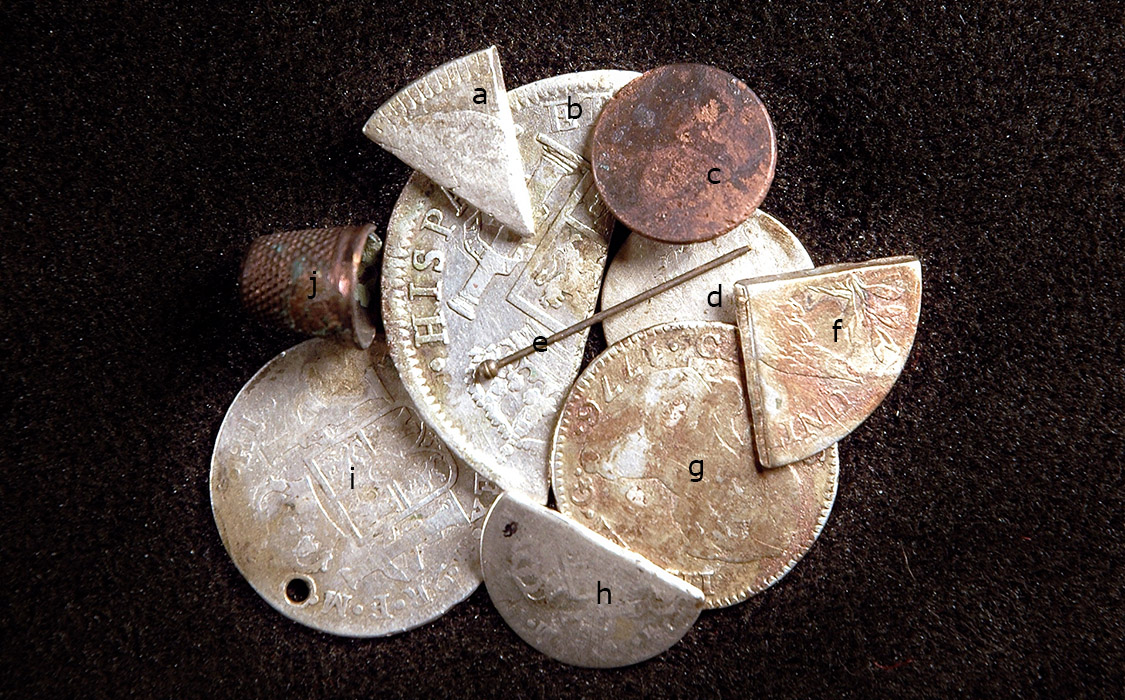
x,y
684,153
458,289
576,596
822,348
455,125
338,505
654,450
642,263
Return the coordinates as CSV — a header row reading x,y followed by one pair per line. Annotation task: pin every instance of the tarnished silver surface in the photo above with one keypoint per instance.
x,y
576,596
822,349
643,262
622,464
336,503
458,290
444,126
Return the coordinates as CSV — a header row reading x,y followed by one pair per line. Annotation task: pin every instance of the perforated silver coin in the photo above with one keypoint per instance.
x,y
335,501
459,289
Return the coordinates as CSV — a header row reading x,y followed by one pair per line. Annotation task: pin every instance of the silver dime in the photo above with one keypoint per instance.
x,y
459,289
576,596
336,502
642,263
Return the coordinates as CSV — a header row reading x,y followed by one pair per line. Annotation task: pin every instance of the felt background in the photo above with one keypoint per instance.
x,y
976,544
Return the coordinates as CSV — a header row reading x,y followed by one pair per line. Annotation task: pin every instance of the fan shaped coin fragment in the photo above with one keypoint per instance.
x,y
822,348
576,596
454,125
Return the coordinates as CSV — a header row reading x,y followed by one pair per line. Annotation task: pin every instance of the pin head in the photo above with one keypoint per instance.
x,y
487,370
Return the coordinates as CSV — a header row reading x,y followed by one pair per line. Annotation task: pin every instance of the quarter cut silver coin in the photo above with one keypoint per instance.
x,y
338,505
459,289
822,348
643,263
576,596
454,124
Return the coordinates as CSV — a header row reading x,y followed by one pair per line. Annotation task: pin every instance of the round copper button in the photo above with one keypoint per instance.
x,y
684,153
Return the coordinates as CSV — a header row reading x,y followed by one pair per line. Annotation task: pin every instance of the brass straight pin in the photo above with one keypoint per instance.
x,y
490,368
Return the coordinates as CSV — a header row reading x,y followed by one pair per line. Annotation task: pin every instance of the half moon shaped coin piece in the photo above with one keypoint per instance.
x,y
338,505
576,596
454,125
822,348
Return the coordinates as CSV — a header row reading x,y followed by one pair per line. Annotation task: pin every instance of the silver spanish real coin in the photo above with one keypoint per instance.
x,y
643,263
576,596
459,289
336,502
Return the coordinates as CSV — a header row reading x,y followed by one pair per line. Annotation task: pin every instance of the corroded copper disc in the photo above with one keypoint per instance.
x,y
684,153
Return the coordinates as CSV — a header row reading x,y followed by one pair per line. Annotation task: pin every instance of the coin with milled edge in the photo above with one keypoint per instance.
x,y
654,450
684,153
576,596
643,263
459,289
338,505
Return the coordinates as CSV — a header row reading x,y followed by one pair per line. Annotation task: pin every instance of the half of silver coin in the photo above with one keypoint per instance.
x,y
576,596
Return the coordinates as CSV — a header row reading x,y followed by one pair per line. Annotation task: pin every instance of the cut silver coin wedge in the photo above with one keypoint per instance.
x,y
576,596
454,124
822,348
642,263
338,505
458,290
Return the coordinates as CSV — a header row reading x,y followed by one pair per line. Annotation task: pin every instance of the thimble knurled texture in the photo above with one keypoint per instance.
x,y
277,280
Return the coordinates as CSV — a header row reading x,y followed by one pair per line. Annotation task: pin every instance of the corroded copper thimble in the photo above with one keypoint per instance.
x,y
313,281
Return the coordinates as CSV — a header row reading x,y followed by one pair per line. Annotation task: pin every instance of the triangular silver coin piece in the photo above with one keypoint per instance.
x,y
454,125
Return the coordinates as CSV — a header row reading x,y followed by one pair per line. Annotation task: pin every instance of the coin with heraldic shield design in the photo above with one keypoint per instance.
x,y
576,596
684,153
642,263
634,423
338,505
459,289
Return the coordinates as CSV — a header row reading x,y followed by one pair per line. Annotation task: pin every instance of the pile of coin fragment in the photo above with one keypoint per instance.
x,y
365,483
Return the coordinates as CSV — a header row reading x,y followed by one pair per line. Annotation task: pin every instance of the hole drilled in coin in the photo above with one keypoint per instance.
x,y
297,590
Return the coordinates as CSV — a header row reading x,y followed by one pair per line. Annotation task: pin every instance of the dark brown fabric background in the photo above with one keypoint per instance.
x,y
976,544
